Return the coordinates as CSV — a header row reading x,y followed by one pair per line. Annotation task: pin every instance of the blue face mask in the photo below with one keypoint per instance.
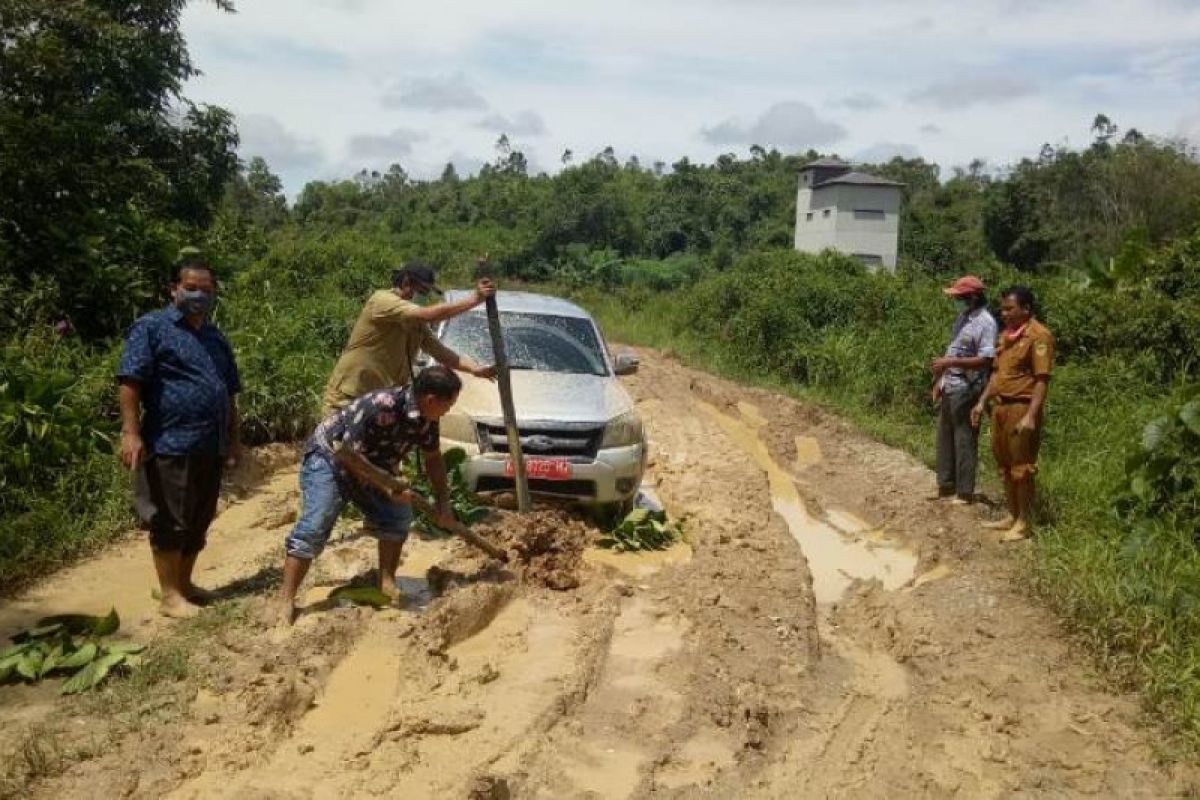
x,y
194,301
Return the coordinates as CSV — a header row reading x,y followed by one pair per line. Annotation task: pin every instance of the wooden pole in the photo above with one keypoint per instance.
x,y
504,382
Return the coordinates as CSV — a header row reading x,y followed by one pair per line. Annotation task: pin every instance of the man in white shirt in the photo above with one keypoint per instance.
x,y
958,379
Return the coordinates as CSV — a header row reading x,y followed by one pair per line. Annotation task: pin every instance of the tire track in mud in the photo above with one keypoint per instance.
x,y
952,684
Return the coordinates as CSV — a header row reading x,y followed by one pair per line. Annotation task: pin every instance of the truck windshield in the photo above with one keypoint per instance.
x,y
542,342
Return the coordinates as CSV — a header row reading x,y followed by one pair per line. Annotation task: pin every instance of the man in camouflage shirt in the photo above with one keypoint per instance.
x,y
373,433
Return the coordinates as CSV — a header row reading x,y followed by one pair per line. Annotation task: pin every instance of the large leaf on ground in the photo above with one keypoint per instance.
x,y
361,596
30,664
52,660
81,657
86,624
16,650
91,675
129,648
41,631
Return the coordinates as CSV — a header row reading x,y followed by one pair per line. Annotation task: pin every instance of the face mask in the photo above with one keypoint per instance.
x,y
193,301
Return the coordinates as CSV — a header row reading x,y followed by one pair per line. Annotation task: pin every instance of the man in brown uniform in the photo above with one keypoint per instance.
x,y
1017,389
390,330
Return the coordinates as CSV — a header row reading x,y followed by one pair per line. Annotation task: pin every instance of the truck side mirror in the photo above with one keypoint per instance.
x,y
626,364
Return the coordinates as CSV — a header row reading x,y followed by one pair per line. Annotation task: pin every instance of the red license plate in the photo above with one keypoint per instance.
x,y
548,469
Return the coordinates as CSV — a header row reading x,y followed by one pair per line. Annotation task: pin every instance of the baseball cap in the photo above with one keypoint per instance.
x,y
422,275
966,285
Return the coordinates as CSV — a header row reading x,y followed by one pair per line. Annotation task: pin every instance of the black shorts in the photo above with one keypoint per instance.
x,y
176,499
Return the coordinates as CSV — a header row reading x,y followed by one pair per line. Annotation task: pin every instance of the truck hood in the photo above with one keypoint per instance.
x,y
546,397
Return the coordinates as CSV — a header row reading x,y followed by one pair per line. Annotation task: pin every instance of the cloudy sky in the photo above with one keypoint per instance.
x,y
323,88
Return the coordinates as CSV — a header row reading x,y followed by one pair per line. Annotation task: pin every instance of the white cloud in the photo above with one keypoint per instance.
x,y
931,130
790,125
882,152
389,146
859,101
524,123
629,74
263,135
963,91
445,93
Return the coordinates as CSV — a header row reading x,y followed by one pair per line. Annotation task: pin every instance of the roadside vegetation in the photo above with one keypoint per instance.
x,y
98,198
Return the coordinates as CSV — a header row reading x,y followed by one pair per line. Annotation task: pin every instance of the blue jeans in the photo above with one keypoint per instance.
x,y
324,498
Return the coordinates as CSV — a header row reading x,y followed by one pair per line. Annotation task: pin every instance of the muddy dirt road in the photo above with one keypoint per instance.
x,y
826,632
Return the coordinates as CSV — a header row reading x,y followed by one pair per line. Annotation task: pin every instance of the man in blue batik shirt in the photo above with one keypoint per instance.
x,y
958,379
179,426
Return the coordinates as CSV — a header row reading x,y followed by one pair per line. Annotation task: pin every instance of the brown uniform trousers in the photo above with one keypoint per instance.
x,y
1020,362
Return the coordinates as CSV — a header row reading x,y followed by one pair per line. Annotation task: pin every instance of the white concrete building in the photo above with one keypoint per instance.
x,y
853,212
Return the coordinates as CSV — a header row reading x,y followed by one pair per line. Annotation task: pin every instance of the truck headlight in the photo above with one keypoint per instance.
x,y
458,428
623,431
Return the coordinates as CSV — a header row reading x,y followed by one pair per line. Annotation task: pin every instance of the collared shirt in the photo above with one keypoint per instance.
x,y
381,426
187,377
973,336
1020,361
382,349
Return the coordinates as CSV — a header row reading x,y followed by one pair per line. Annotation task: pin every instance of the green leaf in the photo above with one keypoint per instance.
x,y
86,623
81,657
362,596
80,681
42,630
30,664
90,676
1155,433
16,650
636,517
1189,415
454,458
129,648
52,659
1141,488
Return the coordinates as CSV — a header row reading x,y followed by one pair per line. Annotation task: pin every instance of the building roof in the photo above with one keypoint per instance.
x,y
858,179
826,162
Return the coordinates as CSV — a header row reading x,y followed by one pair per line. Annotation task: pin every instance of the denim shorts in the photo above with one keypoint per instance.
x,y
324,497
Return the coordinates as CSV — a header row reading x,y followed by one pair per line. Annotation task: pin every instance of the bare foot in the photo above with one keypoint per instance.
x,y
279,614
1018,532
391,590
201,597
176,607
1000,524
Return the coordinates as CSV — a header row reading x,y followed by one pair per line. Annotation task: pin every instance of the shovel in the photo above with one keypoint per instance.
x,y
390,484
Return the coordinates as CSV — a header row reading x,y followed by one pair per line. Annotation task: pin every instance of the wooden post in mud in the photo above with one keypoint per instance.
x,y
504,382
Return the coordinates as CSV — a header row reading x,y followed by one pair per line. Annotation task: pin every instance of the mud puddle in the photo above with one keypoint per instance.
x,y
839,550
123,577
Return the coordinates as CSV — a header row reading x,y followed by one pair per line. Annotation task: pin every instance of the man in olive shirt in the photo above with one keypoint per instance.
x,y
1017,389
391,330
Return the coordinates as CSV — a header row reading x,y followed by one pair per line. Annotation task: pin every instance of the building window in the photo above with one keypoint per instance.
x,y
808,216
825,213
869,259
869,213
